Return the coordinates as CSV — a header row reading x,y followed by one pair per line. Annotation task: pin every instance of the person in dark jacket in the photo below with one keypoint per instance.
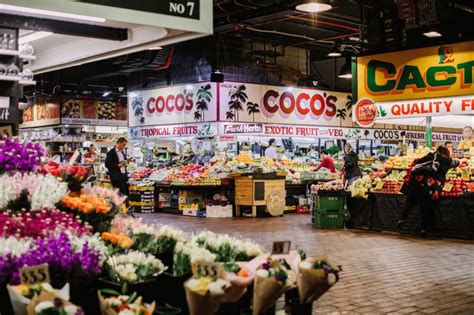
x,y
426,184
351,165
116,162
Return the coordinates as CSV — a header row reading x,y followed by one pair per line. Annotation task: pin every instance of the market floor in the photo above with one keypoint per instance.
x,y
382,273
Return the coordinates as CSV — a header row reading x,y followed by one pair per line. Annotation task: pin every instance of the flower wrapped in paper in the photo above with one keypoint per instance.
x,y
124,304
240,277
272,279
315,277
21,295
48,303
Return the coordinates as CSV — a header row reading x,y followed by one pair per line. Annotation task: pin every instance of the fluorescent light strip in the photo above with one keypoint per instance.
x,y
33,36
7,7
432,34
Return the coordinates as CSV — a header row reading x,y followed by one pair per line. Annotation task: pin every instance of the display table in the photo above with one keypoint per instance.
x,y
380,212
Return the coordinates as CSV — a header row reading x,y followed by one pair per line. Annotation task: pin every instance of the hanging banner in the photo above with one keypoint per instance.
x,y
168,131
254,103
191,103
439,71
41,115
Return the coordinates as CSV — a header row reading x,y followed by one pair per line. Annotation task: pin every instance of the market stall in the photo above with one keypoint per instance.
x,y
376,202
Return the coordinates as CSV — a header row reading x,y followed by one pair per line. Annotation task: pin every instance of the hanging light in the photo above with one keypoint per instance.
x,y
313,6
346,71
334,52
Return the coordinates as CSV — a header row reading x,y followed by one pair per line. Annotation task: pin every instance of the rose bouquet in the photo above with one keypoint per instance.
x,y
66,262
228,248
124,304
35,224
185,254
315,277
73,175
17,156
205,294
119,241
30,191
272,279
133,267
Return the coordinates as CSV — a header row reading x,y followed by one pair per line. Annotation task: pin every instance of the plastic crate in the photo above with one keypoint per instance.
x,y
329,211
329,220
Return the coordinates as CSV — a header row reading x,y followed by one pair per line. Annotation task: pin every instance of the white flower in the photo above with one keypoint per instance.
x,y
15,247
43,305
171,232
144,229
331,278
126,312
262,273
217,287
306,265
71,309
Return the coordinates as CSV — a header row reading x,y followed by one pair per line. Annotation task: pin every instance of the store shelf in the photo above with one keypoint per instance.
x,y
9,52
64,141
9,78
27,82
27,57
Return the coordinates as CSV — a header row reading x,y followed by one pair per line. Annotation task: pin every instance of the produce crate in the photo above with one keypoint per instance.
x,y
329,211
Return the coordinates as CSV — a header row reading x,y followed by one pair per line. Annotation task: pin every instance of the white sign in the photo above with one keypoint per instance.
x,y
254,103
455,105
168,131
191,103
93,122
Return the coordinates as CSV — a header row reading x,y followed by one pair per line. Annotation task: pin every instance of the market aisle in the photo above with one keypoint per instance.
x,y
383,273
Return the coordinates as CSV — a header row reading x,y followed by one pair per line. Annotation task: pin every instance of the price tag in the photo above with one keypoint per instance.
x,y
208,269
281,248
379,185
34,274
448,187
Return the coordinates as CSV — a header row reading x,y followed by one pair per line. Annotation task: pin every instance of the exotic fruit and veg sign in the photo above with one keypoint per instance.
x,y
255,103
191,103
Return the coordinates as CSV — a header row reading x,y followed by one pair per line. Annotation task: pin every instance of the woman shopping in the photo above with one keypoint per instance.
x,y
425,184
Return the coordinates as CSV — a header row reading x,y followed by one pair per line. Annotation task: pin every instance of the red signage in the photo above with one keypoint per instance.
x,y
170,103
365,113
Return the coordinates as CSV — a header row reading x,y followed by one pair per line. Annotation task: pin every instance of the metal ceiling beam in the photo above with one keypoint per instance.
x,y
62,27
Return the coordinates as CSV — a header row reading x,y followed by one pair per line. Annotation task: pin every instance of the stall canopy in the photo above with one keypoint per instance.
x,y
65,33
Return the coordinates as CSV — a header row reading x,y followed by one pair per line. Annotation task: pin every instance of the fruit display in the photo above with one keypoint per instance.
x,y
140,174
454,188
106,110
329,186
389,187
399,162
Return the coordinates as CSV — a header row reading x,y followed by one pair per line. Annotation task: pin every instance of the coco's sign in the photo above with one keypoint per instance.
x,y
252,103
191,103
440,71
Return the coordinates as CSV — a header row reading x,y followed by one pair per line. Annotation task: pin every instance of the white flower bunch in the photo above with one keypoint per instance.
x,y
171,232
14,246
144,229
125,224
248,247
216,287
134,266
194,252
94,242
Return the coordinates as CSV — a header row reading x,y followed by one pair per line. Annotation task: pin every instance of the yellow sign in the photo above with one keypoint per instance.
x,y
431,72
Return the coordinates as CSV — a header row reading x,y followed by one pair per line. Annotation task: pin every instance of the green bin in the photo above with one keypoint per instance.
x,y
329,211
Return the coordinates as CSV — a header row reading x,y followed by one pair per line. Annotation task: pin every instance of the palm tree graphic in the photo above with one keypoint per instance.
x,y
229,115
204,97
237,98
197,115
252,109
137,107
341,113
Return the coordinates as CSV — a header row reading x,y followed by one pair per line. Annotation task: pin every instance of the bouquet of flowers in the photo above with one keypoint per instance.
x,y
49,303
239,277
125,224
133,267
185,254
316,276
124,304
119,240
66,262
205,293
228,248
35,224
73,175
30,191
155,241
272,279
21,295
110,195
17,156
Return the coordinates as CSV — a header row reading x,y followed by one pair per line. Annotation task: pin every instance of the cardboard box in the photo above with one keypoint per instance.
x,y
219,211
191,210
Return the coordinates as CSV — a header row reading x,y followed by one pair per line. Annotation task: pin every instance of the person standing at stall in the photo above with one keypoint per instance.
x,y
327,162
116,162
91,156
426,183
271,151
351,165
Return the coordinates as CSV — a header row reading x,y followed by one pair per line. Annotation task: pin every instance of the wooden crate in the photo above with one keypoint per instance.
x,y
258,192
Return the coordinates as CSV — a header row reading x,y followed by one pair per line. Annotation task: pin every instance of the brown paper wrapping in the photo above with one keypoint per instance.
x,y
266,292
107,310
312,284
202,304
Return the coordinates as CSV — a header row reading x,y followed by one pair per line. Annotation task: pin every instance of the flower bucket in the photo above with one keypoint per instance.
x,y
167,260
167,311
86,297
170,288
5,304
298,308
146,289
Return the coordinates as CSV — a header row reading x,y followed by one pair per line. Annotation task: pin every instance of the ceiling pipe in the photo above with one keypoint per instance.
x,y
325,23
323,39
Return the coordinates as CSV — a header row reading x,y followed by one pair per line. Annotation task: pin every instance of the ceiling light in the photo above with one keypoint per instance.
x,y
313,7
432,34
346,71
33,36
334,52
47,13
155,48
107,93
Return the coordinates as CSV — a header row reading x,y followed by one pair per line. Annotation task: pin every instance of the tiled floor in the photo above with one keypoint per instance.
x,y
383,273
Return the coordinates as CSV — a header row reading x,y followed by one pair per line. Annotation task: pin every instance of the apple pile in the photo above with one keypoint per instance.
x,y
458,186
140,174
390,187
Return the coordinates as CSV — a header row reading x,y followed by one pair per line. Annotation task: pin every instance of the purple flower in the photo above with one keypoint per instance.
x,y
17,156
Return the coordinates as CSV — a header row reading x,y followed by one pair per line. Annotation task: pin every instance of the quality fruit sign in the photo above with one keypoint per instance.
x,y
168,131
253,103
192,103
438,71
458,105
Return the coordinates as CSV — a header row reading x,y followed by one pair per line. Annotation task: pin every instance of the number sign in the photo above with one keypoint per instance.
x,y
281,248
34,274
208,269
